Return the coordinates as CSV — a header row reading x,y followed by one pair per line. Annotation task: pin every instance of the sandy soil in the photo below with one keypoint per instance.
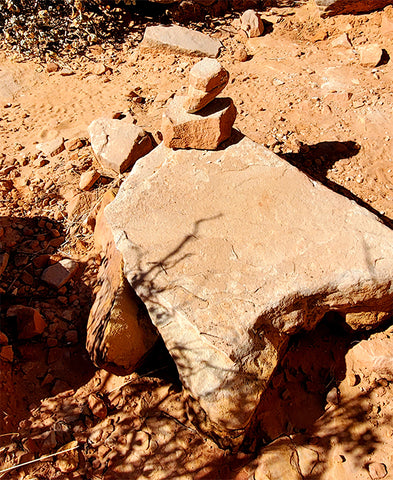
x,y
305,97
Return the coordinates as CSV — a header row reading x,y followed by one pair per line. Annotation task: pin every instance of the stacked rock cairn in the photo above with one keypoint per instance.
x,y
198,119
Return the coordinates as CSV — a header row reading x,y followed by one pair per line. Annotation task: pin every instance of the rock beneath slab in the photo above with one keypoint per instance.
x,y
60,273
180,40
29,320
235,250
252,23
338,7
208,78
118,144
372,358
119,330
206,129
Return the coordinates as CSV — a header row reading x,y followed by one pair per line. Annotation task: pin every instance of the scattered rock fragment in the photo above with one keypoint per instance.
x,y
372,357
51,148
370,55
118,144
252,23
7,353
3,339
60,273
206,129
240,54
207,79
88,179
29,320
73,144
180,40
377,470
342,41
52,67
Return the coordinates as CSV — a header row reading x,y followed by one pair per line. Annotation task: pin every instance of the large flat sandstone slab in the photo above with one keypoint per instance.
x,y
235,250
180,40
335,7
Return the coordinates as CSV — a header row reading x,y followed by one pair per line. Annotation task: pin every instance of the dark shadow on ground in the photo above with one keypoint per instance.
x,y
55,360
316,160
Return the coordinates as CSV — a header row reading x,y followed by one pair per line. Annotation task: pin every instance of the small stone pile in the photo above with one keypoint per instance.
x,y
198,119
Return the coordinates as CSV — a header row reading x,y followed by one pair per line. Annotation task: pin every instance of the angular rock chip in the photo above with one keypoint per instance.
x,y
29,320
180,40
235,250
60,273
118,144
205,129
337,7
208,74
252,23
51,148
119,331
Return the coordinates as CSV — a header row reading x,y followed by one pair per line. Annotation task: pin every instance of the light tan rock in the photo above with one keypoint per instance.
x,y
342,41
372,357
252,23
377,470
88,179
180,40
118,144
370,55
51,148
205,129
277,461
235,250
119,331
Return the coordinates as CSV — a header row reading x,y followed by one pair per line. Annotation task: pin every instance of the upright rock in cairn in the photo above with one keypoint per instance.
x,y
208,78
199,120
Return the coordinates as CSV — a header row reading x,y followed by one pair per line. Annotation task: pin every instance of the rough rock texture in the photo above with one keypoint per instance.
x,y
60,273
119,331
118,143
372,358
29,320
370,55
252,23
51,148
205,129
180,40
336,7
235,250
208,78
